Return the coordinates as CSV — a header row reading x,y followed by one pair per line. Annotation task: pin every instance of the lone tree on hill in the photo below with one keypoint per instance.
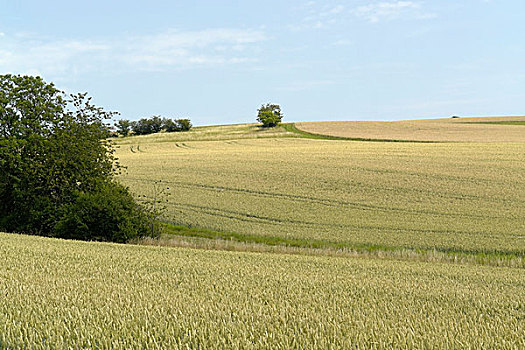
x,y
270,115
56,168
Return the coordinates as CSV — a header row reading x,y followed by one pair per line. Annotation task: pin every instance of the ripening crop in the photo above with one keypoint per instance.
x,y
57,294
467,197
495,129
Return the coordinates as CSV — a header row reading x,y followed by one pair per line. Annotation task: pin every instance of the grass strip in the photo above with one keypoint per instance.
x,y
251,242
290,127
500,123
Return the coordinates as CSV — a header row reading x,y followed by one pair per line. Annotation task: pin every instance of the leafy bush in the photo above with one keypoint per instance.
x,y
270,115
143,127
107,214
169,125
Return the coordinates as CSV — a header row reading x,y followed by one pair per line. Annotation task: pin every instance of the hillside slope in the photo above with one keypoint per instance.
x,y
467,197
490,129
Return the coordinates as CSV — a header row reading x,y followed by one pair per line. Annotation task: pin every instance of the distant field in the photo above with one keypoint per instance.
x,y
467,197
65,294
212,133
495,129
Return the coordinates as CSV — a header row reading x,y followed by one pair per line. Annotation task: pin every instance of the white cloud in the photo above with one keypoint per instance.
x,y
392,10
161,51
207,47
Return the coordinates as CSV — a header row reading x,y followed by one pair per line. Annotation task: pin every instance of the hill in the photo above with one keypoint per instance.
x,y
488,129
345,244
451,197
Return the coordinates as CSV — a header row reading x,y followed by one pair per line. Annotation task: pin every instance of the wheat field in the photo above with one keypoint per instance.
x,y
427,199
446,196
67,294
495,129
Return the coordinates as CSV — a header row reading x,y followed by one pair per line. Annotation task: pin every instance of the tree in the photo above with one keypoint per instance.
x,y
52,152
155,124
142,127
169,125
183,124
124,127
107,214
270,115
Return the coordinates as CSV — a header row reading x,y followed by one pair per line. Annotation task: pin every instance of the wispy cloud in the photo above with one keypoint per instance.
x,y
317,17
392,10
170,49
183,49
321,15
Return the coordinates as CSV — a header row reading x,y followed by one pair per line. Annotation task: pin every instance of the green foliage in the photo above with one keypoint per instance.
x,y
107,214
155,124
52,149
144,127
183,124
270,115
169,125
123,127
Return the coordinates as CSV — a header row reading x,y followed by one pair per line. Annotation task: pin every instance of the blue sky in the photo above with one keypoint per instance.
x,y
216,62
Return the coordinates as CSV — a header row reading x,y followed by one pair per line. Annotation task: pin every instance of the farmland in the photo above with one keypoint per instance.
x,y
488,129
466,197
67,294
305,241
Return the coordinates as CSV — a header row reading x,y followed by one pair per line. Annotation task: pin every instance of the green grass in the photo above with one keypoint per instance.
x,y
67,294
500,122
290,127
490,257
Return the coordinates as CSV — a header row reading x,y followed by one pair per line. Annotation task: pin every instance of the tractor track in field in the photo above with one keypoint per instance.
x,y
311,199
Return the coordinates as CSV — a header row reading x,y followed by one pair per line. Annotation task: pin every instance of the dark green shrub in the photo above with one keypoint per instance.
x,y
143,126
155,124
169,125
108,214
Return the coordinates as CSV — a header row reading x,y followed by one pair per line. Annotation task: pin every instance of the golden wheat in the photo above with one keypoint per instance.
x,y
461,196
456,130
66,294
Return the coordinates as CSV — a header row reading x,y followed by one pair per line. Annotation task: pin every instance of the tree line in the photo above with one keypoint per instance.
x,y
151,125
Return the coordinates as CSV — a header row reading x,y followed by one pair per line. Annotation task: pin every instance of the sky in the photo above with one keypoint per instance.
x,y
217,62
